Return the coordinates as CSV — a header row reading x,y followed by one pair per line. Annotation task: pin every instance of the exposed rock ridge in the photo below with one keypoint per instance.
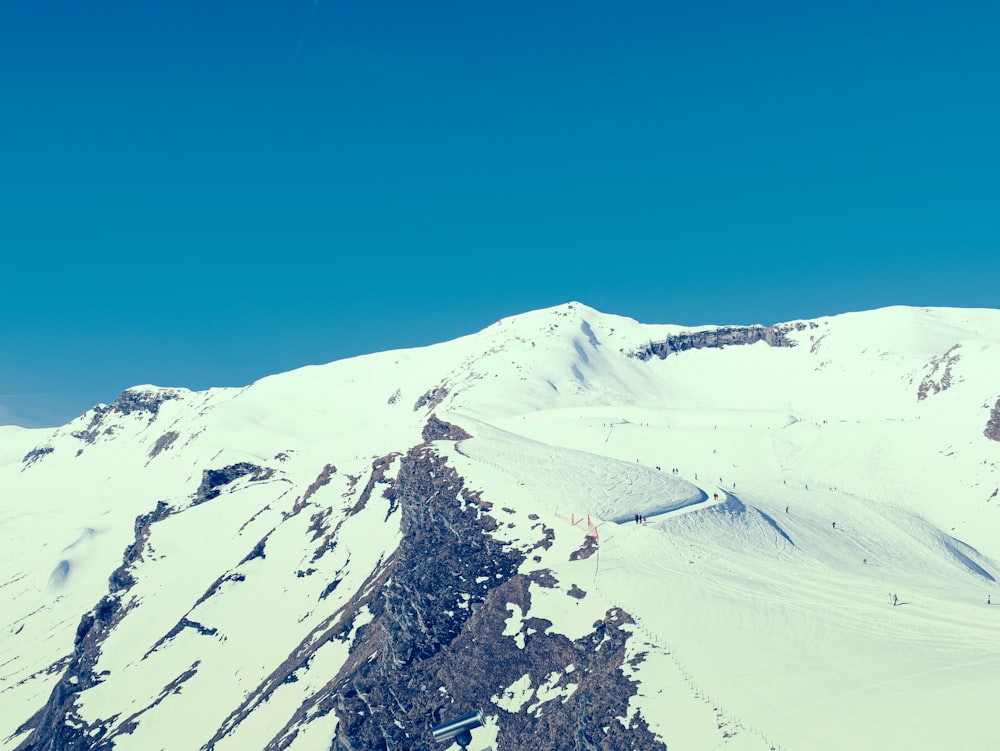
x,y
775,336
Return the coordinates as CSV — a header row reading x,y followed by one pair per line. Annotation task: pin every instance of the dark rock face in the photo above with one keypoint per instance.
x,y
442,553
774,336
213,479
993,426
437,429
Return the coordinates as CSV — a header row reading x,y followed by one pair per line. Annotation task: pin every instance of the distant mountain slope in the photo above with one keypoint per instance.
x,y
601,533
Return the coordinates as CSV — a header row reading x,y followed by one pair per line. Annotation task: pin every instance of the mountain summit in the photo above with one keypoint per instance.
x,y
600,533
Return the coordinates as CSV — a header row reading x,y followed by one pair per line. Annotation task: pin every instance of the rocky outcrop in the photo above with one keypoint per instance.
x,y
437,429
939,377
774,336
993,425
164,442
35,454
588,549
141,400
431,398
121,578
213,479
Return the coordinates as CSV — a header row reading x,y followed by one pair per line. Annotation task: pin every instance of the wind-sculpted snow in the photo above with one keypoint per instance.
x,y
574,482
734,523
967,556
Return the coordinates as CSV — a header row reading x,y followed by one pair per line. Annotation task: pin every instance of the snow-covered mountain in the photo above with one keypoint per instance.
x,y
342,556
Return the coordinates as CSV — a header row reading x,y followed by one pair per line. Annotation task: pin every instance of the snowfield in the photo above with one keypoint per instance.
x,y
788,493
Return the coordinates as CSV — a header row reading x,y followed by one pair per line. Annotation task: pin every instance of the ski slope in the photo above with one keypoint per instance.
x,y
778,620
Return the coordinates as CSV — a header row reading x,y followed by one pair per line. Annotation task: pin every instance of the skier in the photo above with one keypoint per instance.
x,y
894,600
835,525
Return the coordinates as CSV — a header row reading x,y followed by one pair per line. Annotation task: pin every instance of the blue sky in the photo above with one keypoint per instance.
x,y
204,193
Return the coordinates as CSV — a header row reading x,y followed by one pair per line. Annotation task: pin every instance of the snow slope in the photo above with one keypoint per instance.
x,y
848,467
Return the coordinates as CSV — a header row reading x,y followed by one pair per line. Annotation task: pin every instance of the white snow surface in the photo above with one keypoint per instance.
x,y
788,494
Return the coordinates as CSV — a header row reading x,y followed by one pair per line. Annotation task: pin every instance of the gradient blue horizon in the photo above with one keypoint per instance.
x,y
203,194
